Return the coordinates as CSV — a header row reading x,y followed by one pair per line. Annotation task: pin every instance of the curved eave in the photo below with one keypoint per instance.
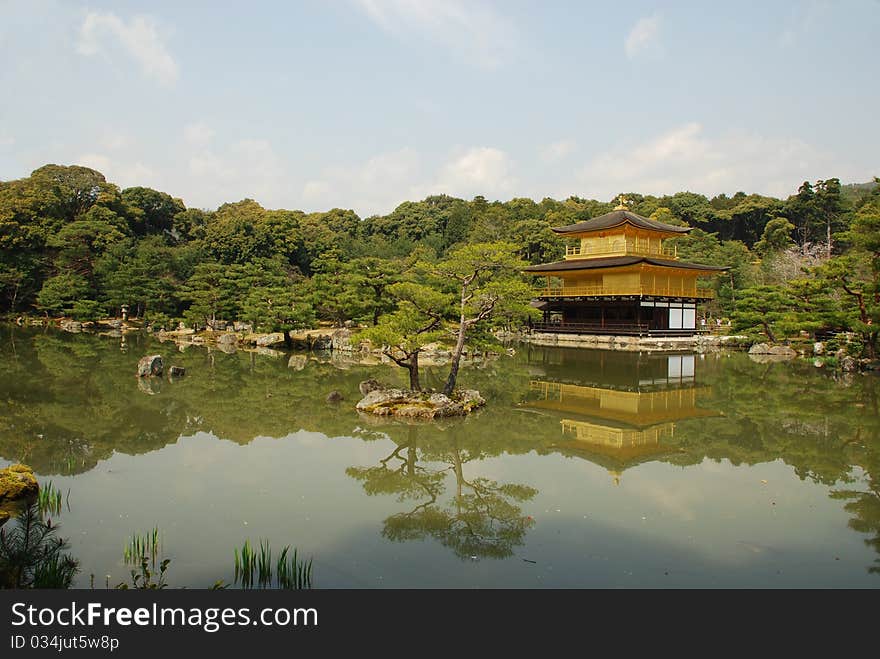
x,y
578,265
615,219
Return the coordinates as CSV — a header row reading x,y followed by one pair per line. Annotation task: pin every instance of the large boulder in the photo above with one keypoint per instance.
x,y
71,326
783,351
17,482
269,340
227,339
759,349
321,343
341,340
150,365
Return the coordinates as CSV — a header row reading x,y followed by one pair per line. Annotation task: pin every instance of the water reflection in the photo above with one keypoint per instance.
x,y
629,420
482,518
69,405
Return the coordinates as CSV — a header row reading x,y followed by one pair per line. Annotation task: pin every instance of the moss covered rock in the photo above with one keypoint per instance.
x,y
17,482
420,405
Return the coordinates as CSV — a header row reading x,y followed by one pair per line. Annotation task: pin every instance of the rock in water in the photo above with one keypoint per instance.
x,y
150,365
269,340
413,404
759,349
335,397
17,482
369,385
341,340
177,371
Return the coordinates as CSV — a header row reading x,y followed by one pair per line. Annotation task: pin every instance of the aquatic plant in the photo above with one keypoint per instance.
x,y
244,565
292,573
289,571
143,580
49,499
143,545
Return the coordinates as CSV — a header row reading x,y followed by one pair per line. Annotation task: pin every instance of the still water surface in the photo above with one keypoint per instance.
x,y
586,469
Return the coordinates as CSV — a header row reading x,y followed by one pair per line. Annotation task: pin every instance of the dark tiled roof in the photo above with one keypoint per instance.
x,y
616,218
617,261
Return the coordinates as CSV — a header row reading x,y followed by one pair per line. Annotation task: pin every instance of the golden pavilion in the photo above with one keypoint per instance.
x,y
621,277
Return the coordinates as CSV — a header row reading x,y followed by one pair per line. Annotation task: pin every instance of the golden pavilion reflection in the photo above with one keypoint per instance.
x,y
619,425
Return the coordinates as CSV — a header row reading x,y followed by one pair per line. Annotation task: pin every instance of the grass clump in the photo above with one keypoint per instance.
x,y
256,567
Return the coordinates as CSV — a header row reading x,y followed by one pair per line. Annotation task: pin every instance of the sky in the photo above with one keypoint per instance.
x,y
364,104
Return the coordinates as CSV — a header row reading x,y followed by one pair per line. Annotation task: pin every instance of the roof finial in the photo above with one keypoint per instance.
x,y
622,203
615,476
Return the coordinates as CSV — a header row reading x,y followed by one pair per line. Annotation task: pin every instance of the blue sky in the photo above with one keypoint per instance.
x,y
365,103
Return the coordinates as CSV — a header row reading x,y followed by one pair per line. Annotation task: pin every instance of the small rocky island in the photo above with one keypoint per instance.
x,y
388,401
17,484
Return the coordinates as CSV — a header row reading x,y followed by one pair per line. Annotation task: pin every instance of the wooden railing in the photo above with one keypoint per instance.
x,y
620,249
623,327
601,290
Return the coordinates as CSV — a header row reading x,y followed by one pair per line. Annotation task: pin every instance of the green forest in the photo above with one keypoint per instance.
x,y
73,244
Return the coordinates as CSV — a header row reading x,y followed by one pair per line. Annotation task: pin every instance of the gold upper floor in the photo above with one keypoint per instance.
x,y
625,242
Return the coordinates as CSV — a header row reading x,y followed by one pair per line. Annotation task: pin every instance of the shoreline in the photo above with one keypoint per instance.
x,y
697,343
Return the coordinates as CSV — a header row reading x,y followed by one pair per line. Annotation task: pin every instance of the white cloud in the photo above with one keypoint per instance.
x,y
480,170
139,37
557,150
198,133
377,185
643,36
119,171
382,182
469,28
686,158
246,168
316,191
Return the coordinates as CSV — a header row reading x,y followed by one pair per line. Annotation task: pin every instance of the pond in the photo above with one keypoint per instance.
x,y
586,468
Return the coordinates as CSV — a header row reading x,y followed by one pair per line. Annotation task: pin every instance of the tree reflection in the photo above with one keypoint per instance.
x,y
482,519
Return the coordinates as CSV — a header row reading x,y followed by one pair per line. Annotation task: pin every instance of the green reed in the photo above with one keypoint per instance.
x,y
143,545
292,573
49,499
244,565
289,571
